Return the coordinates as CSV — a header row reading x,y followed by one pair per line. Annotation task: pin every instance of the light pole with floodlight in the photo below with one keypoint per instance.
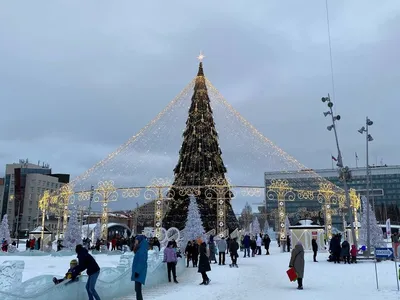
x,y
344,172
368,138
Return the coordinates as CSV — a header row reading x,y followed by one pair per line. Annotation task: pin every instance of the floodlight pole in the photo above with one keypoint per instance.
x,y
368,139
89,210
368,177
343,171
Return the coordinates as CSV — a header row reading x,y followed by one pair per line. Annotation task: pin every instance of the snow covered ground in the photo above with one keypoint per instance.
x,y
265,276
258,277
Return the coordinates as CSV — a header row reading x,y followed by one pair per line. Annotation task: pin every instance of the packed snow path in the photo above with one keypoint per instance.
x,y
266,275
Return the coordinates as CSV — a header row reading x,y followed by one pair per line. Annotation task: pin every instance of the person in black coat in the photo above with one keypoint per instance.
x,y
204,263
195,253
88,263
345,253
188,253
267,242
335,249
233,249
314,249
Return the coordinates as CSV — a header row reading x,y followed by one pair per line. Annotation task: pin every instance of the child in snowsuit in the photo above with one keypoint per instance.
x,y
353,253
68,275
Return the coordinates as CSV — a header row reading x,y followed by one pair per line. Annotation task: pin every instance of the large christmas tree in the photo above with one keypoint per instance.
x,y
200,161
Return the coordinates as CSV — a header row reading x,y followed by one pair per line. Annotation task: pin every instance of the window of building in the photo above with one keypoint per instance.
x,y
32,189
39,182
30,203
48,184
29,218
30,210
9,211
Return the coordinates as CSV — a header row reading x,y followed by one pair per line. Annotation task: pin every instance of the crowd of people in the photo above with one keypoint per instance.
x,y
341,251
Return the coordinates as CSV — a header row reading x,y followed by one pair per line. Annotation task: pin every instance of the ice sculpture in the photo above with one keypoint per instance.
x,y
112,282
11,274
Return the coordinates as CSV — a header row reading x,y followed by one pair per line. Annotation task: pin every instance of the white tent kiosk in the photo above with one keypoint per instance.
x,y
37,233
305,232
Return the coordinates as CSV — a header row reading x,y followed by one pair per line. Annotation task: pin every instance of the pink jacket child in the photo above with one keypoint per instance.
x,y
353,253
170,255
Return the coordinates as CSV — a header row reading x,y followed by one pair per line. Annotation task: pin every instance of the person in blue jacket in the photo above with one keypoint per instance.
x,y
246,245
88,263
139,264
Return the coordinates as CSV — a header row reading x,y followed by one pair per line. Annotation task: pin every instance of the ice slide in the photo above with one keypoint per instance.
x,y
112,282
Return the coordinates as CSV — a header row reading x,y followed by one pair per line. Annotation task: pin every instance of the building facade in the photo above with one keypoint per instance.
x,y
384,191
24,185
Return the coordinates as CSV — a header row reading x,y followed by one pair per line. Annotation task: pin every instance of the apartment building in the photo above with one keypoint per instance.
x,y
24,185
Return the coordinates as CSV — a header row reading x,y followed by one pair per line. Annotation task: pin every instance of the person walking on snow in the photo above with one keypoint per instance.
x,y
195,253
267,242
314,249
204,263
233,249
345,252
189,253
139,264
246,245
212,250
297,262
259,244
221,244
171,259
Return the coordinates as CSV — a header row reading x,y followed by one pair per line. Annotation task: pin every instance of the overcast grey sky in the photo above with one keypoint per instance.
x,y
77,79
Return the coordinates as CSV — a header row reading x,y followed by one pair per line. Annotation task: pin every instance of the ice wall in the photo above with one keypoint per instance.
x,y
112,282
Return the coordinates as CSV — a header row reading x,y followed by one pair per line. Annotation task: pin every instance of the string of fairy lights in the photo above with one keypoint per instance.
x,y
102,165
269,151
124,167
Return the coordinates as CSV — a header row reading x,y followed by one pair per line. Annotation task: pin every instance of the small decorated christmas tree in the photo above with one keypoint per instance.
x,y
73,234
194,225
376,234
256,227
97,232
5,230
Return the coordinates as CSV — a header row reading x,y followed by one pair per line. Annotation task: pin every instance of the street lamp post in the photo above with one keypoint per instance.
x,y
344,172
368,138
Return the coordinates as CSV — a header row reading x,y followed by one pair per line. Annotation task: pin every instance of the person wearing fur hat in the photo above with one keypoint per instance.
x,y
204,263
139,264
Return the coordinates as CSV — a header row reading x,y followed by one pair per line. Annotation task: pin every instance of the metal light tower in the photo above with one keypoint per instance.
x,y
368,139
344,172
89,210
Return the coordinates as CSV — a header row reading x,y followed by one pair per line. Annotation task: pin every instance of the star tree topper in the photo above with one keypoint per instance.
x,y
201,56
